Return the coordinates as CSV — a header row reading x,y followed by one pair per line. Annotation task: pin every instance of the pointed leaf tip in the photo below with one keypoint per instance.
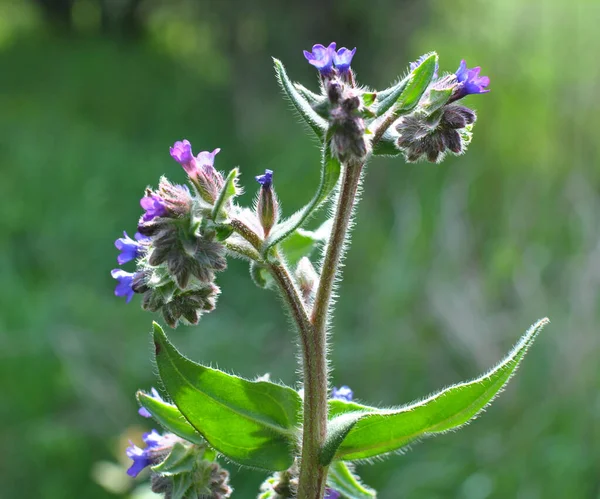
x,y
358,432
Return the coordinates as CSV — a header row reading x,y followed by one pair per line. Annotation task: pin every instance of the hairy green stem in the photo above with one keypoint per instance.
x,y
313,475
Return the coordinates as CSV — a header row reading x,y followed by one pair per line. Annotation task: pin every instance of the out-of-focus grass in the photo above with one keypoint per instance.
x,y
449,265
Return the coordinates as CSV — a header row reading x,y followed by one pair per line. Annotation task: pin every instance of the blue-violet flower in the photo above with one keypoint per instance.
x,y
182,153
343,393
469,81
146,457
266,180
343,58
321,57
129,248
124,283
154,206
331,494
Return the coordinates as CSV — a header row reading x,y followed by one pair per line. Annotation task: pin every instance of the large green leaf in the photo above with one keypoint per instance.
x,y
420,78
361,432
330,174
300,103
254,423
169,417
346,483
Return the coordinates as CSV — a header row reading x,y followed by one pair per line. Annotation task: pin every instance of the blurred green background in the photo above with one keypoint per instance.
x,y
449,265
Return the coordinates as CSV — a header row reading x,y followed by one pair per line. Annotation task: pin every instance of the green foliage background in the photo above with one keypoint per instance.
x,y
448,267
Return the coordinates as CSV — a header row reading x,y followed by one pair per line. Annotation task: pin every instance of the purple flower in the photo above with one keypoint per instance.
x,y
124,283
182,153
129,248
144,457
331,494
469,81
142,411
342,58
266,180
321,57
154,206
206,159
343,393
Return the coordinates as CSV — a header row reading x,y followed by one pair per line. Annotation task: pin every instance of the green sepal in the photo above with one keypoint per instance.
x,y
330,175
346,483
229,190
309,95
253,423
181,459
300,103
436,98
419,80
358,432
169,417
388,97
181,486
223,231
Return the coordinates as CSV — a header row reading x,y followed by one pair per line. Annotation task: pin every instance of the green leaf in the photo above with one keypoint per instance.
x,y
303,242
387,145
169,417
305,110
330,174
420,78
436,98
181,459
253,423
229,190
388,97
361,432
346,483
369,98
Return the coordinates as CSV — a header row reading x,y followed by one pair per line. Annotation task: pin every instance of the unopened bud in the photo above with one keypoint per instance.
x,y
308,279
267,207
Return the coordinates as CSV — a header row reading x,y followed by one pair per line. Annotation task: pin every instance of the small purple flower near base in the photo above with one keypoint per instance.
x,y
142,411
266,179
331,494
143,457
129,248
342,393
124,283
322,58
469,81
154,206
343,58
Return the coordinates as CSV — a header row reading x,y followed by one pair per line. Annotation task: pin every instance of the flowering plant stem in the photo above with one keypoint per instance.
x,y
313,335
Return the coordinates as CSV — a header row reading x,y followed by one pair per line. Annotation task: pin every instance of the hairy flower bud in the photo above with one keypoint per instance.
x,y
267,206
308,279
345,118
448,129
169,202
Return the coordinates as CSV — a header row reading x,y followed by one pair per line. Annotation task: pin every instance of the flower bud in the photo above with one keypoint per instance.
x,y
267,207
308,279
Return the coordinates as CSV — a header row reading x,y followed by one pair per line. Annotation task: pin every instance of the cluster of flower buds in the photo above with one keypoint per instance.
x,y
177,463
177,249
344,108
438,126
